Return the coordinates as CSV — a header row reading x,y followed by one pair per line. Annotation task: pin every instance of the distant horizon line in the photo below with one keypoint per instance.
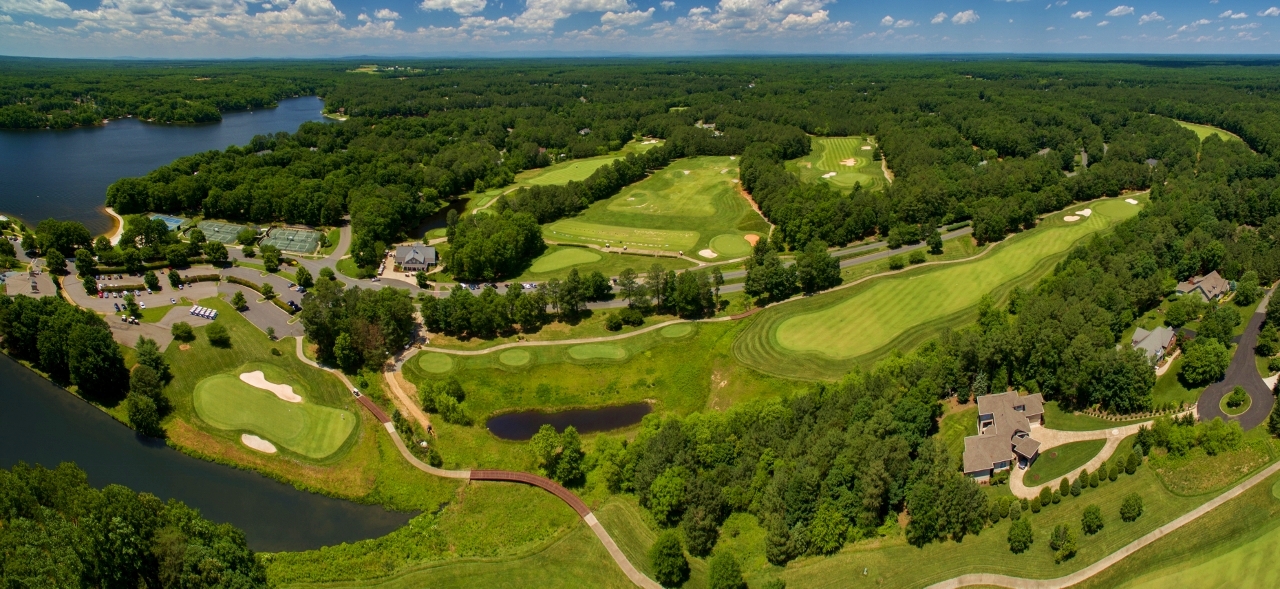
x,y
644,56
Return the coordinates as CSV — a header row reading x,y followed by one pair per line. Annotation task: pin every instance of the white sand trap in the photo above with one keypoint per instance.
x,y
1131,201
258,379
735,180
1085,213
1071,218
733,157
849,162
866,148
686,172
257,443
829,175
708,254
724,170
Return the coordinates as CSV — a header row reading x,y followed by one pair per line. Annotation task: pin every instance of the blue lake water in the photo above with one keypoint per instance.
x,y
65,174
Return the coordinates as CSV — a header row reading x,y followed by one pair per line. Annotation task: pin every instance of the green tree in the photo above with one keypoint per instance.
x,y
1248,291
665,499
268,291
143,415
1063,543
215,251
829,529
816,269
56,262
177,255
1219,324
345,353
151,281
725,573
132,259
1273,423
90,285
1064,487
149,355
1134,460
1020,536
1131,507
1185,309
238,301
545,445
422,279
1205,362
1091,521
304,279
1273,311
935,242
95,364
218,335
175,279
271,258
327,273
182,331
85,262
247,236
667,561
569,467
631,289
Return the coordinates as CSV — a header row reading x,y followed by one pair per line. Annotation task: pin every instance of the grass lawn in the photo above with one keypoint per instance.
x,y
956,248
1264,366
1222,404
1171,389
1060,460
331,238
226,402
347,267
590,324
955,427
1204,131
684,207
826,335
829,161
1056,418
151,314
559,259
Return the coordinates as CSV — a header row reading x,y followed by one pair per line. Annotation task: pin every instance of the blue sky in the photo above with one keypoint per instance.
x,y
315,28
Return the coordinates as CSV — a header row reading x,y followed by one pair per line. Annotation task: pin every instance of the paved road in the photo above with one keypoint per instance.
x,y
1243,372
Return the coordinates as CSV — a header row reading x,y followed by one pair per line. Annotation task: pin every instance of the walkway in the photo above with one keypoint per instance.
x,y
991,579
1243,372
1052,438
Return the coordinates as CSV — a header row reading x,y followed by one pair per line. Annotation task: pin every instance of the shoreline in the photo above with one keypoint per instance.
x,y
117,228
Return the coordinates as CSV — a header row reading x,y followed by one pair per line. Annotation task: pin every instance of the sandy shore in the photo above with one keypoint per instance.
x,y
118,228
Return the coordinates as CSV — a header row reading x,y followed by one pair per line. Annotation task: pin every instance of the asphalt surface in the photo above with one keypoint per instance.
x,y
1243,372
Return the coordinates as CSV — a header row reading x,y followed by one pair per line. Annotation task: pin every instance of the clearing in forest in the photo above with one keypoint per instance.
x,y
827,335
229,402
841,161
1204,131
691,205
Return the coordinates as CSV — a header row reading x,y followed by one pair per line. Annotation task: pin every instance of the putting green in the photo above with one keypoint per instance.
x,y
226,402
677,330
435,362
833,331
730,246
597,352
563,258
516,357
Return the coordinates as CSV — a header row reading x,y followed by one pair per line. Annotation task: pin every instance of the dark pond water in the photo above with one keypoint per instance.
x,y
43,424
65,174
522,425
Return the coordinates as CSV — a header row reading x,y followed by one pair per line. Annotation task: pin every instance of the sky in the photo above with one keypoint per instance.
x,y
335,28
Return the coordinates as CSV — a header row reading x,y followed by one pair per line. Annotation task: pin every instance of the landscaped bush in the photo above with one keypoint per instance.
x,y
1020,536
916,257
1091,520
1237,398
897,263
1063,543
1131,507
218,335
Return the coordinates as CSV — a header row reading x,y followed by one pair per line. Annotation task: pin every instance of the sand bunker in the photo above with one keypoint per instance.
x,y
1071,218
829,175
1085,213
707,254
686,172
257,443
258,379
866,148
752,239
1131,201
724,170
849,162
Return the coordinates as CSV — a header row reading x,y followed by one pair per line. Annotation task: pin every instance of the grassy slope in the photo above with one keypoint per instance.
x,y
826,156
607,263
1067,458
836,331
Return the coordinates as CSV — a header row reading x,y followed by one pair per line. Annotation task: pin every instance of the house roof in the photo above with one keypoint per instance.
x,y
1210,285
415,254
981,452
997,442
1152,342
1026,447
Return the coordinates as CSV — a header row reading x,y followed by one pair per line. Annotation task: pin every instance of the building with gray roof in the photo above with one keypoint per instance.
x,y
1004,433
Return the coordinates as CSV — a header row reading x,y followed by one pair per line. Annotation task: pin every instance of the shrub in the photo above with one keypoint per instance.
x,y
1057,497
237,300
666,559
916,257
613,322
631,316
1004,507
327,273
421,278
1020,536
897,263
218,335
151,280
182,331
144,415
1046,495
1113,473
174,279
1093,480
1064,488
1091,521
725,573
1131,507
1035,504
1237,398
1273,365
1063,543
1133,462
1075,488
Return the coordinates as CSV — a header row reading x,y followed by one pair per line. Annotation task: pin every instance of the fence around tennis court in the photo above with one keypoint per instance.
x,y
219,231
293,239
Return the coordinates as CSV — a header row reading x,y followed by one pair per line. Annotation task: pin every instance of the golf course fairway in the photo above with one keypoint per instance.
x,y
825,335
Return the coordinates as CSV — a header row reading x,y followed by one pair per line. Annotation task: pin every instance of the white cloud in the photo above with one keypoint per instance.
x,y
1082,14
1153,17
46,8
667,4
964,18
938,18
1104,23
1252,25
1195,25
1121,10
541,15
1229,14
1051,28
904,23
749,18
462,7
1273,11
626,19
386,14
887,21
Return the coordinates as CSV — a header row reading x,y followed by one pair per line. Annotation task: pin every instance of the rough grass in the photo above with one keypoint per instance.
x,y
826,157
576,170
826,335
598,351
957,426
563,258
1060,460
226,402
1056,418
671,210
1198,473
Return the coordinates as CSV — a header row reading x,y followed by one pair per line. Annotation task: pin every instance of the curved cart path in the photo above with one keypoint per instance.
x,y
573,501
991,579
1242,372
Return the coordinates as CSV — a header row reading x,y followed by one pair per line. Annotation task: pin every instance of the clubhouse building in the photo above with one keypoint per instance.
x,y
415,258
1005,422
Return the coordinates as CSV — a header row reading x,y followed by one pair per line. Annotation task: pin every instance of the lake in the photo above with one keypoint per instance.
x,y
522,425
65,174
43,424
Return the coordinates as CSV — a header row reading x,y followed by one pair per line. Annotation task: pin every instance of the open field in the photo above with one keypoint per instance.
x,y
829,161
226,402
559,259
1204,131
825,335
1060,460
689,206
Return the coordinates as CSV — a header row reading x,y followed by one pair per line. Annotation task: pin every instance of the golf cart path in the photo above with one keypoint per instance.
x,y
992,579
572,500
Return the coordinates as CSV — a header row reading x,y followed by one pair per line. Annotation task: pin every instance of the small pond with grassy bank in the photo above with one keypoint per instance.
x,y
522,425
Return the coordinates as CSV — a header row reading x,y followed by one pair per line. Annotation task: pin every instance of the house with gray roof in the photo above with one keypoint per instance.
x,y
1208,287
1154,343
416,257
1005,423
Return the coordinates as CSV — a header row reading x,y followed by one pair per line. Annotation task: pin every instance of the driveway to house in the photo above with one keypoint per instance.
x,y
1242,372
1052,438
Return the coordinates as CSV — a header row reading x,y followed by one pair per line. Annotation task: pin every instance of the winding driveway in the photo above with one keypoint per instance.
x,y
1242,372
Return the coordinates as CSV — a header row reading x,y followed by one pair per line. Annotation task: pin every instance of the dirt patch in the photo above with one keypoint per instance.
x,y
849,162
752,239
184,347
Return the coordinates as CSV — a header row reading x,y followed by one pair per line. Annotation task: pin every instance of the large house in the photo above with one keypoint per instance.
x,y
1155,342
1004,433
1209,287
414,258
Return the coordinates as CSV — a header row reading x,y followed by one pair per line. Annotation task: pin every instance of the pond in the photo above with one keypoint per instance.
x,y
43,424
522,425
65,174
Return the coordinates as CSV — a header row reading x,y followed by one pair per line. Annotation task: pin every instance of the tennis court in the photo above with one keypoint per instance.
x,y
219,231
289,239
173,222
